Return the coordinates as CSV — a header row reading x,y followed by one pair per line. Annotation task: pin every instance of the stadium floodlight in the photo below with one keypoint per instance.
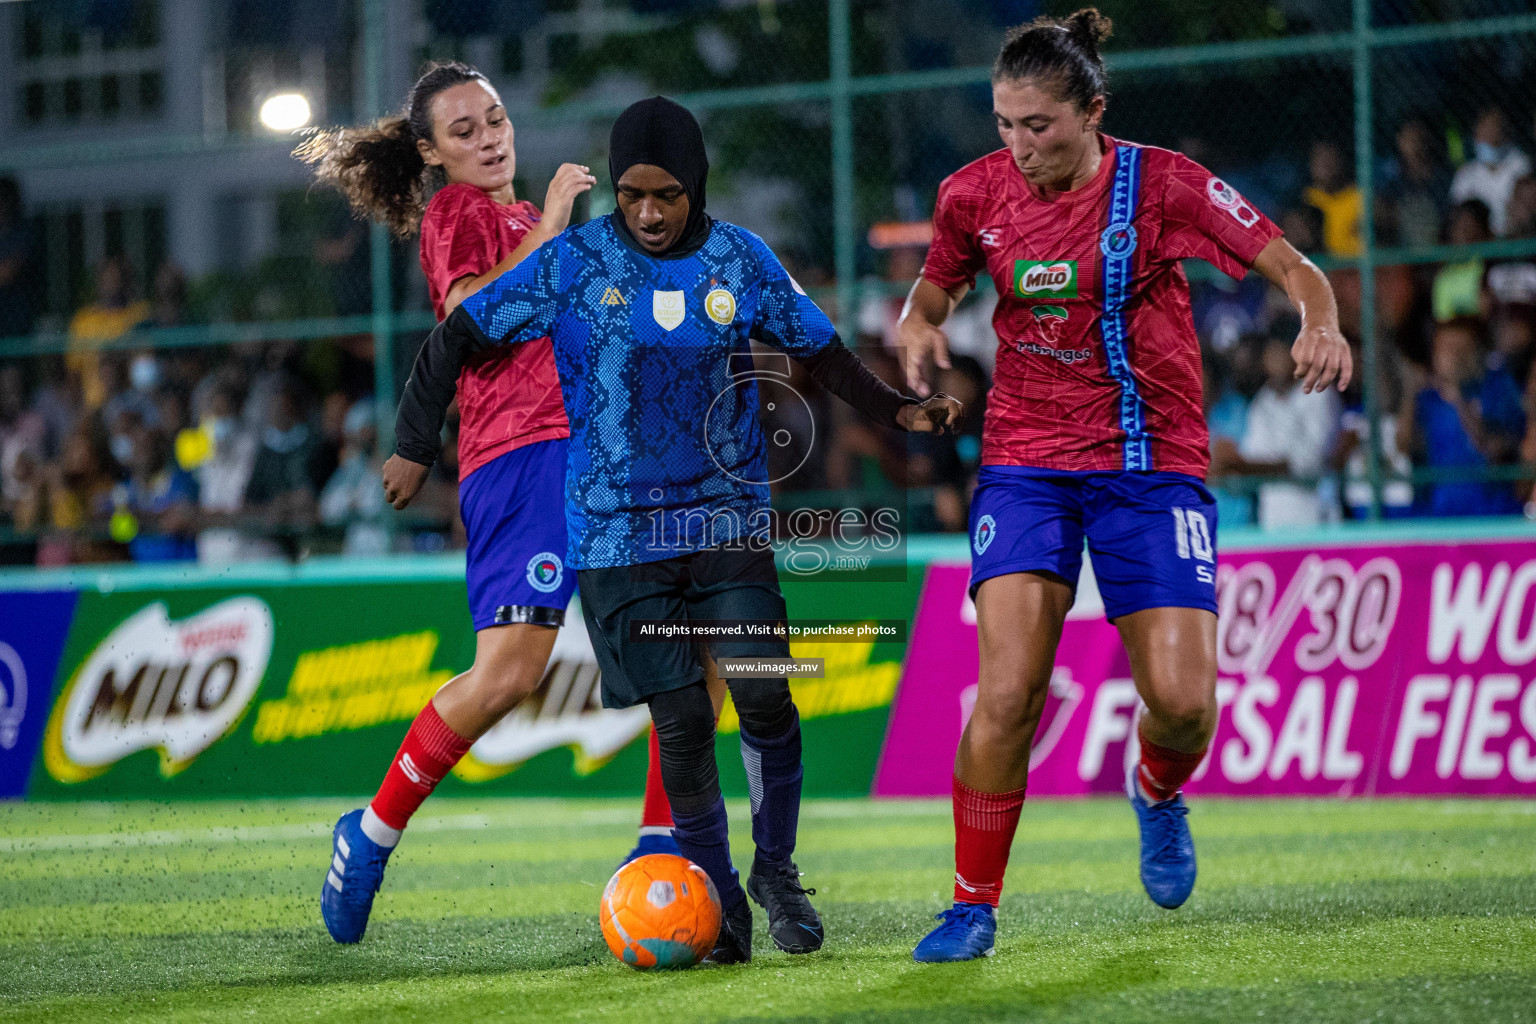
x,y
285,111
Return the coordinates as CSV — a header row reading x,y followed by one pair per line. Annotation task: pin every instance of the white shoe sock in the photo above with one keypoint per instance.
x,y
374,828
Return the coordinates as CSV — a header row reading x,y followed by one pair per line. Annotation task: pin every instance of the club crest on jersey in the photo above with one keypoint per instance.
x,y
667,308
1225,197
720,305
1045,279
1118,241
1222,194
986,529
545,571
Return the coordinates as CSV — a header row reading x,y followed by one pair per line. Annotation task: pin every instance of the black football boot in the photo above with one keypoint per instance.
x,y
734,946
793,923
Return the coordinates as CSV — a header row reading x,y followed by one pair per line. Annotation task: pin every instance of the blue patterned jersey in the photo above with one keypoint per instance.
x,y
666,454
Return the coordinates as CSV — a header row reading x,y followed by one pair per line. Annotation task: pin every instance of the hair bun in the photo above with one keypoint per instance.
x,y
1061,53
1089,29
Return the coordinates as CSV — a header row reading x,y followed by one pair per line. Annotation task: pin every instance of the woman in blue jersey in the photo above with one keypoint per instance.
x,y
667,501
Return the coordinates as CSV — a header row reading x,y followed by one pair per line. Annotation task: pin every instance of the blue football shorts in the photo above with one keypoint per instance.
x,y
1152,535
514,515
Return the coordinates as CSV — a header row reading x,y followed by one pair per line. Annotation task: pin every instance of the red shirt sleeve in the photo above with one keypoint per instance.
x,y
458,239
1205,218
955,256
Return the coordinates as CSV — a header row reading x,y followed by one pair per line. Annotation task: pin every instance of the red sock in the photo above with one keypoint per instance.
x,y
656,812
430,750
984,828
1162,771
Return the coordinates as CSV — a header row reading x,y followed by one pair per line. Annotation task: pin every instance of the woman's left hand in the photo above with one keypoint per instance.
x,y
1322,357
937,415
402,479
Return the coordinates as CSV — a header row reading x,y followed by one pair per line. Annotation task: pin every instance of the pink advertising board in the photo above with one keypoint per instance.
x,y
1361,670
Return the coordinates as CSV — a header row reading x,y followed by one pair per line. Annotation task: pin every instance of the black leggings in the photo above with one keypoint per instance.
x,y
685,731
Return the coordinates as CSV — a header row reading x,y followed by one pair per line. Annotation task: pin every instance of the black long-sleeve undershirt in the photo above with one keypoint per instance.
x,y
844,374
432,384
435,377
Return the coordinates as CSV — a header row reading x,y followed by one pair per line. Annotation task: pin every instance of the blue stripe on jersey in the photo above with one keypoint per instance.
x,y
1118,246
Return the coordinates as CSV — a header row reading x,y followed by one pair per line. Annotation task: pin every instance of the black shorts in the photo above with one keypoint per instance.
x,y
717,584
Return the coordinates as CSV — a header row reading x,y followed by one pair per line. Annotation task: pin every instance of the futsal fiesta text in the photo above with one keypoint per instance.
x,y
1372,669
1452,720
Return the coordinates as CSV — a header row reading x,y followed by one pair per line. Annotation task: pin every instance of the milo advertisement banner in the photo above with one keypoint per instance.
x,y
307,688
1406,668
1351,670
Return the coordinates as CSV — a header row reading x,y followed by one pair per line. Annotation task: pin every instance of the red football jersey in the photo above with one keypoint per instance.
x,y
1098,366
508,397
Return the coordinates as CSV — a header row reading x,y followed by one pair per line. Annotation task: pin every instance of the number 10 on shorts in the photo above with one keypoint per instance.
x,y
1192,539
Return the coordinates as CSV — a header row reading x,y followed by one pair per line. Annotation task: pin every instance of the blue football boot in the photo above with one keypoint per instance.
x,y
1167,849
966,934
652,842
356,872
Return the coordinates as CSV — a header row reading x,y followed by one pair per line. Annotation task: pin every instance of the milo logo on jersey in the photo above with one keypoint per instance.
x,y
1045,279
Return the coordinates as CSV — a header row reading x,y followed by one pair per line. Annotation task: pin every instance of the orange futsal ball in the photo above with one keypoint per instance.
x,y
660,911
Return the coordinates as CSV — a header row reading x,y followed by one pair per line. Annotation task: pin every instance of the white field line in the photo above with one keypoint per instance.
x,y
276,833
1472,807
855,808
829,809
832,809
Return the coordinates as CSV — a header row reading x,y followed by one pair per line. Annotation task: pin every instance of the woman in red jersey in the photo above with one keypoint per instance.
x,y
454,137
1093,430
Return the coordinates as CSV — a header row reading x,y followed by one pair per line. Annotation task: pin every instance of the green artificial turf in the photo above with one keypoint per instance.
x,y
1305,911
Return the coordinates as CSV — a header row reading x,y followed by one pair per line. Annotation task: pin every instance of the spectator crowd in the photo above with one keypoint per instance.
x,y
215,454
268,449
1455,394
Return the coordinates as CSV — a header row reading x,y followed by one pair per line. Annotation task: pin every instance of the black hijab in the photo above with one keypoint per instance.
x,y
663,134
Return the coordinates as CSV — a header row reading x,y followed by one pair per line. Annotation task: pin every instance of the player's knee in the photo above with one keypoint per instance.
x,y
764,707
684,721
496,704
1010,709
1191,715
501,684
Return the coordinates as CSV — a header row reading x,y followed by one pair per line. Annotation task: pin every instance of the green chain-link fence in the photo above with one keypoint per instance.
x,y
134,136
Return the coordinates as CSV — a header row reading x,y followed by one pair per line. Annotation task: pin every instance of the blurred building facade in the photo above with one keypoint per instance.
x,y
139,192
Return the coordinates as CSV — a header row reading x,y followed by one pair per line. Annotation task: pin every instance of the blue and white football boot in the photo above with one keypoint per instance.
x,y
356,872
1167,849
652,842
967,933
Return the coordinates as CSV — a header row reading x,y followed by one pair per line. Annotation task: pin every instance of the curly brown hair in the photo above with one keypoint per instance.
x,y
378,168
